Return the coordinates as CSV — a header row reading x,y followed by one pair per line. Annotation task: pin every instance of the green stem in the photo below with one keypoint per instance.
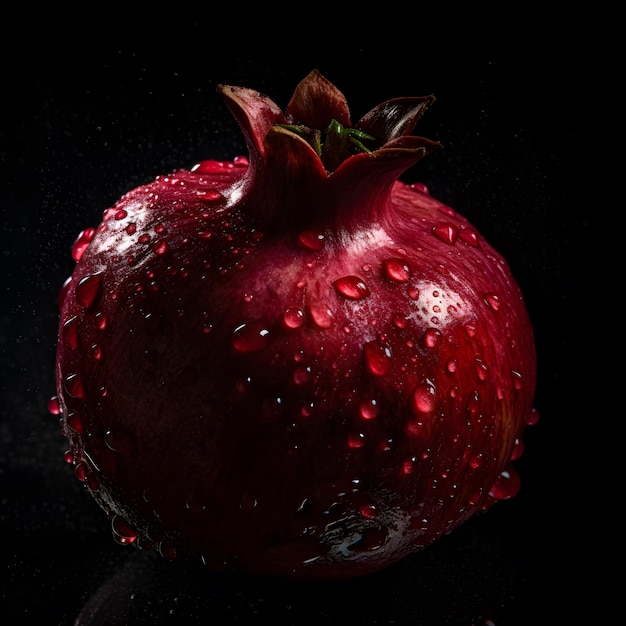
x,y
335,144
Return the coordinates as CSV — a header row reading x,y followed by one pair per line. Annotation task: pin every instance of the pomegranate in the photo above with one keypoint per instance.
x,y
293,363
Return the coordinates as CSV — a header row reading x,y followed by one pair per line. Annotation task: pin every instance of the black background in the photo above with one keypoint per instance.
x,y
87,118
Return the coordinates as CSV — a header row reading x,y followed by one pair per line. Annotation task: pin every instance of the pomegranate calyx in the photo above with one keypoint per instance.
x,y
335,144
394,118
295,155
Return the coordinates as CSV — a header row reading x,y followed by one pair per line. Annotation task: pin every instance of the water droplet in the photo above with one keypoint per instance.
x,y
243,386
70,333
120,441
518,449
476,461
351,287
209,195
53,406
414,427
469,236
368,510
507,485
293,317
82,242
452,365
409,465
167,550
311,239
424,398
399,321
371,539
419,523
420,187
301,375
250,337
75,422
396,270
194,503
473,403
96,352
248,502
131,228
356,440
470,329
160,247
492,300
377,358
481,370
101,320
322,316
369,409
432,337
219,167
122,531
386,445
446,232
74,386
80,471
272,408
88,290
92,482
476,498
517,380
533,417
413,292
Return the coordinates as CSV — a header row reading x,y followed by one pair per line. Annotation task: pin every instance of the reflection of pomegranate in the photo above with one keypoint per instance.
x,y
294,364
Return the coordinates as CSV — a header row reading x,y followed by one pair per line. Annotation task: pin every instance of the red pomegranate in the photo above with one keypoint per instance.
x,y
294,363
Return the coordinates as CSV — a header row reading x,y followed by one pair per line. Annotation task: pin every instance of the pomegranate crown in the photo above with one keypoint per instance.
x,y
314,146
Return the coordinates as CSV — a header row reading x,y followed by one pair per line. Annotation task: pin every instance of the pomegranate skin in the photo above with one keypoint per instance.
x,y
288,370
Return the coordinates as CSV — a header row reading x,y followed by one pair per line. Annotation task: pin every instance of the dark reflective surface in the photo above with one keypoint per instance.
x,y
77,136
